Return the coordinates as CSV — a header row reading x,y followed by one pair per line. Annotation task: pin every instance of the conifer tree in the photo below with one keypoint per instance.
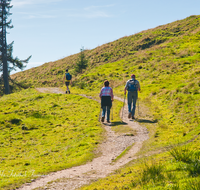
x,y
82,62
7,62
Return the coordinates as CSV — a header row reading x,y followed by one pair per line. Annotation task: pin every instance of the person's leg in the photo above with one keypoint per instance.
x,y
134,104
108,113
129,101
103,113
68,89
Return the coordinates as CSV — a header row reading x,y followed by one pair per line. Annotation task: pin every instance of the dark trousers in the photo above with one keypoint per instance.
x,y
106,104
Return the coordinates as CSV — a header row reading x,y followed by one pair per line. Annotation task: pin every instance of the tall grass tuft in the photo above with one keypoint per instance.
x,y
183,154
153,172
193,185
175,187
190,157
194,168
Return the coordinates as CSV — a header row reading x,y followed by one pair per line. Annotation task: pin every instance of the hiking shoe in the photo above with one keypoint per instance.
x,y
129,115
108,121
66,92
133,117
102,119
69,92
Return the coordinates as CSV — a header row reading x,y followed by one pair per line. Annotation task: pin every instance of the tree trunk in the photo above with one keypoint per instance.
x,y
4,50
5,72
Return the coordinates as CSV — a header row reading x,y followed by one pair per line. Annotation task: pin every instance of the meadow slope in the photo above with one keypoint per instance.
x,y
166,61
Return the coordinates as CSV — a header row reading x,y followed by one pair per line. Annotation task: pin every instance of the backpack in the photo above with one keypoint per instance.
x,y
132,86
68,76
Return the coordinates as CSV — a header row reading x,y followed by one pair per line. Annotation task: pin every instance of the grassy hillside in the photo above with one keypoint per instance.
x,y
41,133
133,49
166,61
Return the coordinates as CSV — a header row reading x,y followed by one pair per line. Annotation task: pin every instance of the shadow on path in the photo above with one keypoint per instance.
x,y
116,123
146,121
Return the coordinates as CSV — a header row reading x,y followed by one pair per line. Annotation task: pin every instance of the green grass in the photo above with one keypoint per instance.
x,y
123,153
42,133
169,77
166,62
156,172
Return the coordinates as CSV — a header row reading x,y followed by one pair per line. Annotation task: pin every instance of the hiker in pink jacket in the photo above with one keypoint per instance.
x,y
106,96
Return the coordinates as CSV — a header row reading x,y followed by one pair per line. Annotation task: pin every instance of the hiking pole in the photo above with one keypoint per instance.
x,y
123,107
100,114
112,101
138,108
112,112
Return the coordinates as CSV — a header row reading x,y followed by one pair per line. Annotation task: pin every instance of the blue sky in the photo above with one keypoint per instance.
x,y
53,29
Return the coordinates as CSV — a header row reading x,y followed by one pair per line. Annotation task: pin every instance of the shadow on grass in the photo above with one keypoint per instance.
x,y
146,121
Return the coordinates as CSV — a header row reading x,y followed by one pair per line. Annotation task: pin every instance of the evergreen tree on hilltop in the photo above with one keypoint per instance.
x,y
82,62
7,62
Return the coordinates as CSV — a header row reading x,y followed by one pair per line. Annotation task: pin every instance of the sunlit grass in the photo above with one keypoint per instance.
x,y
123,153
166,62
42,133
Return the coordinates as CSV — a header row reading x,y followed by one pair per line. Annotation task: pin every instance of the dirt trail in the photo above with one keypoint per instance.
x,y
100,167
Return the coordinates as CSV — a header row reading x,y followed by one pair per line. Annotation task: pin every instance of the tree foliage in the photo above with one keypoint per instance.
x,y
82,62
7,62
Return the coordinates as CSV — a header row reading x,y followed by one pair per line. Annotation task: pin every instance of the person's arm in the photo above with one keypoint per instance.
x,y
125,87
64,79
100,94
112,96
71,81
139,89
125,90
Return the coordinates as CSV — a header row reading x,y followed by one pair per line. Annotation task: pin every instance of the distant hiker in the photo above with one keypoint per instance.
x,y
67,79
106,96
132,86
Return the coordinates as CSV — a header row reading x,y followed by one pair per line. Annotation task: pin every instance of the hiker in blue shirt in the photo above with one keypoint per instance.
x,y
67,79
133,86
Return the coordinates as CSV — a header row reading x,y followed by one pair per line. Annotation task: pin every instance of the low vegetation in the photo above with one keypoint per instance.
x,y
166,62
42,133
176,169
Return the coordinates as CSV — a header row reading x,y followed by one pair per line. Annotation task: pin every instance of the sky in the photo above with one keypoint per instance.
x,y
50,30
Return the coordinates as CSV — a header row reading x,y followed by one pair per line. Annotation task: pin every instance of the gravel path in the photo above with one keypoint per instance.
x,y
100,167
